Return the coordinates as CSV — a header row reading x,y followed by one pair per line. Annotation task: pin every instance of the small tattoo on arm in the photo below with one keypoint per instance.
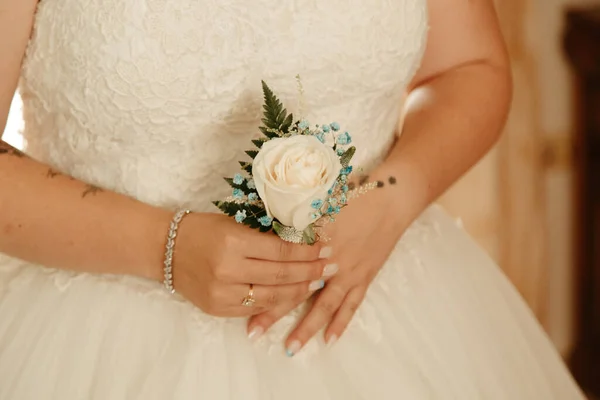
x,y
52,173
379,184
91,190
5,148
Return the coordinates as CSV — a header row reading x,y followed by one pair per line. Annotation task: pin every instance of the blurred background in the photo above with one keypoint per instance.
x,y
534,202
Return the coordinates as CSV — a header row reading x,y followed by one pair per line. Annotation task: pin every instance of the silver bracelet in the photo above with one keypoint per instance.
x,y
170,247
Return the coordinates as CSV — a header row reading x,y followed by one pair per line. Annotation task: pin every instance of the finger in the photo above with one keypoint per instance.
x,y
319,316
280,273
273,248
272,296
345,314
262,322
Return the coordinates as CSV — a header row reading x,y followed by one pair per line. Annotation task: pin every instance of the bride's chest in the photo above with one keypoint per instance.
x,y
156,60
212,38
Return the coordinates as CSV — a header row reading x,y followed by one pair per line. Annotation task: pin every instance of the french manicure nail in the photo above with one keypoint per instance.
x,y
325,252
332,340
293,348
330,270
256,332
316,285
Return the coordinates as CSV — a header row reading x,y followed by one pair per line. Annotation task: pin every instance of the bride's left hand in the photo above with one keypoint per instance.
x,y
362,238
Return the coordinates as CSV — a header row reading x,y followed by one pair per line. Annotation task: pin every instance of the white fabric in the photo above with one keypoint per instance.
x,y
158,99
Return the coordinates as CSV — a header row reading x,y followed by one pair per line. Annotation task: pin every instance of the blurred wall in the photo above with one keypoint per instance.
x,y
517,202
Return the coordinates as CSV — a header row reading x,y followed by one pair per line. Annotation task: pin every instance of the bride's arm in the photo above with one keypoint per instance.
x,y
455,111
55,220
457,104
52,219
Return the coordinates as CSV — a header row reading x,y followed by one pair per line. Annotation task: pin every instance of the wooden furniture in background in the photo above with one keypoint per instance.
x,y
522,215
582,46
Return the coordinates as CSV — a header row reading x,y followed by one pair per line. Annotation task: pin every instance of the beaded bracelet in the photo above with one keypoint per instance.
x,y
168,268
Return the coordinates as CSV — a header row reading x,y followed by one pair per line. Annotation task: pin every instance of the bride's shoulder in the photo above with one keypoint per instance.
x,y
16,22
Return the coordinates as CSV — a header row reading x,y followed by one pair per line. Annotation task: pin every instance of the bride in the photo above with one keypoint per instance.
x,y
134,109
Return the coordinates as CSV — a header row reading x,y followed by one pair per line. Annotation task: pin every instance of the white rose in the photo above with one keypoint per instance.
x,y
289,173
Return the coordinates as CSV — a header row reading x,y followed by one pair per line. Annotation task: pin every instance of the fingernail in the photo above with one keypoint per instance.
x,y
330,269
332,340
293,348
316,285
256,332
325,252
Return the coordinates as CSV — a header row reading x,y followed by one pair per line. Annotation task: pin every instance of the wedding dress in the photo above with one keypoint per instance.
x,y
158,99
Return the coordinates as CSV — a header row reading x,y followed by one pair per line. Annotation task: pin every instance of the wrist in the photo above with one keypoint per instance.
x,y
153,238
402,191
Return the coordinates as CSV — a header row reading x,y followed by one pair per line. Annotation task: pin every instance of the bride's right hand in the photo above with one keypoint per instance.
x,y
216,260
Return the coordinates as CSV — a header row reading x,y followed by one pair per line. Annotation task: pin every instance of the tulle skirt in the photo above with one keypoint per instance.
x,y
439,322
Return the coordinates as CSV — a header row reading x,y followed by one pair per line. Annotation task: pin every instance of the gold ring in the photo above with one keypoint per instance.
x,y
249,300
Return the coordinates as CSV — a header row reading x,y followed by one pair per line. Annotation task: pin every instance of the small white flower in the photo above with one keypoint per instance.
x,y
289,173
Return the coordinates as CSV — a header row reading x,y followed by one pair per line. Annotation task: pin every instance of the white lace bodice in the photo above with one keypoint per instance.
x,y
158,99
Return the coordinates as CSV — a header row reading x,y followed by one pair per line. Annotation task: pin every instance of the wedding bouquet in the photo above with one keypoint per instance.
x,y
298,179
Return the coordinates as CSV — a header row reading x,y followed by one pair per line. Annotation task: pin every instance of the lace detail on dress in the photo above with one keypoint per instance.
x,y
158,99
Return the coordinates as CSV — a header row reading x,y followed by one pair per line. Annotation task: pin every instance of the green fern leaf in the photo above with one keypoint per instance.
x,y
252,153
268,133
253,213
258,143
228,207
246,166
347,156
287,123
275,116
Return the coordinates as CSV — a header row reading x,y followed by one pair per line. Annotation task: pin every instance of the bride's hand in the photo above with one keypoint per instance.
x,y
362,238
216,260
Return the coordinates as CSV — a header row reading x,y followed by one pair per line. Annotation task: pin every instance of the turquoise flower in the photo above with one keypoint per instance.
x,y
252,197
303,125
265,220
317,204
335,126
330,191
340,151
251,184
325,128
344,139
346,171
345,188
332,201
238,179
336,210
321,137
238,193
240,216
343,198
330,210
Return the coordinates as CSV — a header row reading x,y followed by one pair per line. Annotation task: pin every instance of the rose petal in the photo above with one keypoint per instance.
x,y
290,173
